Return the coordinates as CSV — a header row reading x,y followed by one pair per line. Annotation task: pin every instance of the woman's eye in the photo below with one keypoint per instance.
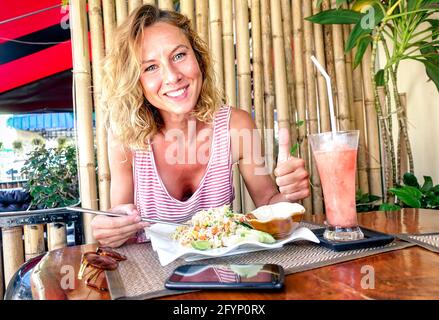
x,y
151,68
179,56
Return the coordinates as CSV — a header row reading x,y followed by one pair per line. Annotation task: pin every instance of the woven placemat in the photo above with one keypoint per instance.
x,y
142,277
429,241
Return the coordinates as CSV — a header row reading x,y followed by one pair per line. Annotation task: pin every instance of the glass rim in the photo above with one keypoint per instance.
x,y
345,132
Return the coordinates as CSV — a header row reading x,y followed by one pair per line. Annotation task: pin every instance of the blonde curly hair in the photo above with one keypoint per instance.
x,y
129,116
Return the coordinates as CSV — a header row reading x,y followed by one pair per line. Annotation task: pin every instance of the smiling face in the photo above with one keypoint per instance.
x,y
170,76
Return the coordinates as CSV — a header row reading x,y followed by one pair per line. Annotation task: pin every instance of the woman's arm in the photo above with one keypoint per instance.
x,y
121,169
291,175
110,231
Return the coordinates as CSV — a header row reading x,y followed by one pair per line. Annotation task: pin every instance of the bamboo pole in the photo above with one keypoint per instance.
x,y
373,142
258,68
300,87
13,254
230,83
402,156
329,53
350,88
229,52
357,81
280,77
202,12
244,76
121,11
216,42
267,49
387,167
187,7
340,75
311,91
83,105
243,51
349,75
166,5
96,32
287,35
132,5
56,236
109,11
33,240
325,124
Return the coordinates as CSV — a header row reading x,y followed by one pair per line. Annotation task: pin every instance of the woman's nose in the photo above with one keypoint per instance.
x,y
171,74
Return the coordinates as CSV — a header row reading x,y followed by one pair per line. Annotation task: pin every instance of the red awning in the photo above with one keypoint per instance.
x,y
34,45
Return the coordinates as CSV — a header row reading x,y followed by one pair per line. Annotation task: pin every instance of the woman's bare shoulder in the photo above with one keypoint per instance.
x,y
241,119
117,150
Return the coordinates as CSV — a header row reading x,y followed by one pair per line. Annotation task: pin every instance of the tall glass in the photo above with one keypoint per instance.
x,y
336,158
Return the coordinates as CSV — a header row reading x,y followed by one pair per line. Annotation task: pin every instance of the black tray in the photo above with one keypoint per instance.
x,y
371,239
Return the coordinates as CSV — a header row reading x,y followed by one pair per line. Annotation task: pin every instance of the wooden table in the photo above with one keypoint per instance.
x,y
410,273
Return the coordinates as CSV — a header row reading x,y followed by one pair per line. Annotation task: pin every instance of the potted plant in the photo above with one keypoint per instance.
x,y
406,29
52,175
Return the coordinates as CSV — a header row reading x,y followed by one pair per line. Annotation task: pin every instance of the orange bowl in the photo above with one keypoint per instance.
x,y
279,219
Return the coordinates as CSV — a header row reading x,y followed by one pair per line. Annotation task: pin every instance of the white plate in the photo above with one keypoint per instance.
x,y
169,250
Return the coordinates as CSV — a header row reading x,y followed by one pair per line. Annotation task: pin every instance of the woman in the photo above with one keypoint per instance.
x,y
171,144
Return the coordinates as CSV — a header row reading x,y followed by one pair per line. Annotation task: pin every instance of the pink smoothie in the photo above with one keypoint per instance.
x,y
337,175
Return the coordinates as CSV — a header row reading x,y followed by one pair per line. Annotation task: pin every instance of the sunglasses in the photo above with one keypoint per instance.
x,y
94,263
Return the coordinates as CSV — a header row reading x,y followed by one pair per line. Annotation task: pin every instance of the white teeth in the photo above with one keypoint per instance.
x,y
177,93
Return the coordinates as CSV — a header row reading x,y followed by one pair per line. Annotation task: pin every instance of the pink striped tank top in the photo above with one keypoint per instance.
x,y
214,190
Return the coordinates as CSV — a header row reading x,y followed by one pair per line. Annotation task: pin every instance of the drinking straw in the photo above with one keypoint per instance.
x,y
329,88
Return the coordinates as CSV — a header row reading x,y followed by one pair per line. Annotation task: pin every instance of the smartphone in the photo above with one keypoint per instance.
x,y
226,276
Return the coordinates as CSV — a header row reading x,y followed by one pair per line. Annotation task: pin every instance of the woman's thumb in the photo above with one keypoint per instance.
x,y
284,145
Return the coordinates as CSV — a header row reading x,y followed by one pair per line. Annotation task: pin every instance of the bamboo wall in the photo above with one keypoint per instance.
x,y
261,52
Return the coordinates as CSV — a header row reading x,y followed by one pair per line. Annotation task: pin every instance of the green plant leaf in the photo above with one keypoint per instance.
x,y
430,51
336,16
389,207
431,199
410,196
294,149
431,61
338,2
365,202
434,27
409,179
428,184
432,70
436,189
300,123
427,3
361,49
379,78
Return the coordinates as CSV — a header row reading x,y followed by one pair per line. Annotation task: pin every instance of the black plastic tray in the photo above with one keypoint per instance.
x,y
371,239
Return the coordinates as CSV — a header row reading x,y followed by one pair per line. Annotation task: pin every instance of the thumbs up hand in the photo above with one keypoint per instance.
x,y
290,172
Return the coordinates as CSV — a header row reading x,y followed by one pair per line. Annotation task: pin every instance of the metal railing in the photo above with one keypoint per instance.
x,y
12,184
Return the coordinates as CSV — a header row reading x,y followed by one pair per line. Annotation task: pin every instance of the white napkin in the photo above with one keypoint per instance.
x,y
169,250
